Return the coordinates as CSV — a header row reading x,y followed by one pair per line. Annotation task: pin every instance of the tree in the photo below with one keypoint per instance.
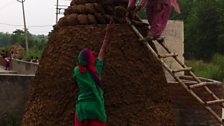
x,y
5,39
18,31
18,36
185,6
220,44
202,30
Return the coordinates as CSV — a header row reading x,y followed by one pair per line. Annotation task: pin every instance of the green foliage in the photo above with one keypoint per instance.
x,y
36,43
5,48
33,53
9,122
213,69
202,30
5,39
204,27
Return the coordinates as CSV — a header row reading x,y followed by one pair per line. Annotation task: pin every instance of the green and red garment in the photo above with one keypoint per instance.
x,y
90,103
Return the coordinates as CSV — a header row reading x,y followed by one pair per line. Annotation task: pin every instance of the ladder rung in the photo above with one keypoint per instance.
x,y
168,55
215,101
183,69
198,85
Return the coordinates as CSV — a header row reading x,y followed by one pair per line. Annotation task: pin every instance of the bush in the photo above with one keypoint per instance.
x,y
32,53
213,69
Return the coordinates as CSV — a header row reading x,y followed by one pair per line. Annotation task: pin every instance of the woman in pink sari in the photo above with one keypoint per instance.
x,y
158,12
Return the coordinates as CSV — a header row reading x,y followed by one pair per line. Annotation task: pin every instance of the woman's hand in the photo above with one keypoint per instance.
x,y
108,30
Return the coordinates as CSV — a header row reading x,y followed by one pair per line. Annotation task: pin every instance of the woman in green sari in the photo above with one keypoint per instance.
x,y
90,110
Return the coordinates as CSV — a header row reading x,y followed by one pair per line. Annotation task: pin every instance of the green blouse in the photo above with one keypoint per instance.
x,y
90,103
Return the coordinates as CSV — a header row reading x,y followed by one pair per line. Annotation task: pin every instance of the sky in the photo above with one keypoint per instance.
x,y
40,15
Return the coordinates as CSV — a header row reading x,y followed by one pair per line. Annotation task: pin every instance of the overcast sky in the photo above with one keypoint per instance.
x,y
40,15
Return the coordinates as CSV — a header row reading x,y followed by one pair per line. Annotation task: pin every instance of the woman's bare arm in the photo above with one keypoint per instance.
x,y
105,42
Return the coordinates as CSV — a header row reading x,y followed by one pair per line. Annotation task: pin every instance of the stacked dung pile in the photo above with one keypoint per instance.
x,y
85,12
134,82
18,50
2,61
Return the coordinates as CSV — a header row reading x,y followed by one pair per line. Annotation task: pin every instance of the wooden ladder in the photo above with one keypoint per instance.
x,y
189,88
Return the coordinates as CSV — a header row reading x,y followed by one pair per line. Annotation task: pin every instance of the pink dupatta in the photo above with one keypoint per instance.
x,y
143,3
175,6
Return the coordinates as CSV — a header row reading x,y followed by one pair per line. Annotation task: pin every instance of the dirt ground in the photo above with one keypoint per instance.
x,y
134,82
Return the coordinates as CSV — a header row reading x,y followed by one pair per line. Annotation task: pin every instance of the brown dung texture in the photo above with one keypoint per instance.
x,y
85,12
134,81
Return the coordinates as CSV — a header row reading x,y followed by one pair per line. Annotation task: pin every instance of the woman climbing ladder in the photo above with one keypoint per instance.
x,y
158,13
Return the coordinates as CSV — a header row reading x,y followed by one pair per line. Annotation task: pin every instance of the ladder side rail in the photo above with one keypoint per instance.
x,y
179,80
206,87
182,83
193,94
212,94
193,75
209,90
214,114
182,64
201,78
140,36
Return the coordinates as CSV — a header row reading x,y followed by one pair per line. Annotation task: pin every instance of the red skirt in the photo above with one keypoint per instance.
x,y
88,122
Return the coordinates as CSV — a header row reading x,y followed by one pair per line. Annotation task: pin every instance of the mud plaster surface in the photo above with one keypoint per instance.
x,y
134,82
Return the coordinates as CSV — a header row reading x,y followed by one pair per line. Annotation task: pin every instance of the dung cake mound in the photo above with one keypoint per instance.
x,y
134,82
85,12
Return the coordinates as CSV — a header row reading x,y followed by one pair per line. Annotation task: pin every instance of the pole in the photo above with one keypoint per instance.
x,y
25,29
57,12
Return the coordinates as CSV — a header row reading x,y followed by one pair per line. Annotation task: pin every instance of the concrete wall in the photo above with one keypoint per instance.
x,y
174,40
13,95
188,111
23,67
